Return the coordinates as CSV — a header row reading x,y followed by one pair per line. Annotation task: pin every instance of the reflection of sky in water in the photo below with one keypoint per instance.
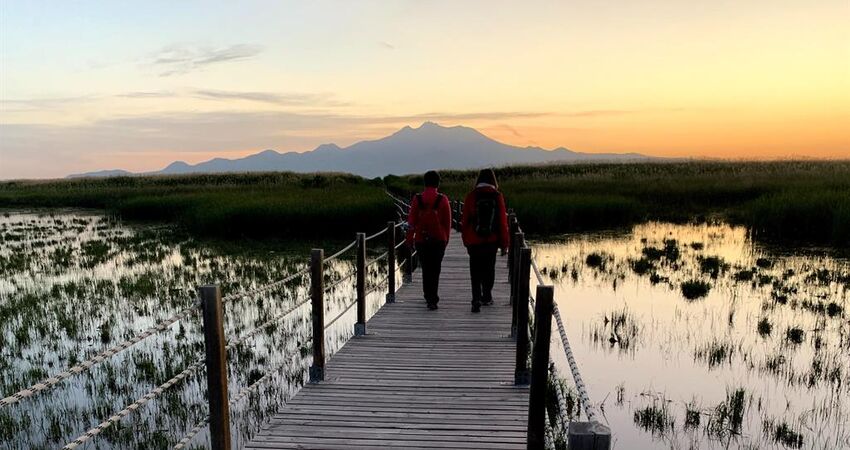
x,y
134,277
672,343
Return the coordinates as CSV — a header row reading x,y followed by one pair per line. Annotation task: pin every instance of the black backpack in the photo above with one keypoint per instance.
x,y
486,213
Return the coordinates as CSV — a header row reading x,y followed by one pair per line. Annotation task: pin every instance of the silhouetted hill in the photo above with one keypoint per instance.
x,y
409,150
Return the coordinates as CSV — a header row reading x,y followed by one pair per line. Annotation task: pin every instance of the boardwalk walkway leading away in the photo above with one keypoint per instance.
x,y
418,378
411,378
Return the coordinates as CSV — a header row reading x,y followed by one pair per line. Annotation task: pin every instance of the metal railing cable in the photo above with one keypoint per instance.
x,y
115,418
571,360
98,358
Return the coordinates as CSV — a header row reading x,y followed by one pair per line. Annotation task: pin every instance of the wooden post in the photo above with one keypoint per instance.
x,y
540,368
317,291
589,436
216,367
512,226
391,262
518,239
360,326
408,264
522,376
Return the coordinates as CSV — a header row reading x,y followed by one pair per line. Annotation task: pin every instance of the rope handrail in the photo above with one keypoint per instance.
x,y
234,342
98,358
537,273
571,360
182,443
115,418
377,258
245,392
341,280
344,249
347,308
265,288
369,238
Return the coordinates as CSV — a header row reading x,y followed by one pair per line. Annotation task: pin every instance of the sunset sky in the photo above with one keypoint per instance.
x,y
135,85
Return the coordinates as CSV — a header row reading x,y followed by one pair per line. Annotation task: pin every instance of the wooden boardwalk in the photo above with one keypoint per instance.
x,y
419,379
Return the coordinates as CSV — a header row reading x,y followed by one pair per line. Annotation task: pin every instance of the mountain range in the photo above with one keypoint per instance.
x,y
409,150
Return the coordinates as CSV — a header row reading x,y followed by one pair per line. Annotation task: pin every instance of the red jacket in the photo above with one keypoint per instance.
x,y
470,237
444,214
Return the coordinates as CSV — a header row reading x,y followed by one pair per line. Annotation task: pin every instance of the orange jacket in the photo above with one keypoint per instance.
x,y
444,213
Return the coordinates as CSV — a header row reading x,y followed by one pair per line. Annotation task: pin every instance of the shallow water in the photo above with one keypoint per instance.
x,y
75,283
761,361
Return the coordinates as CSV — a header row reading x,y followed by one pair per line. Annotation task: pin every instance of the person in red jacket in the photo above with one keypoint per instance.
x,y
429,226
484,228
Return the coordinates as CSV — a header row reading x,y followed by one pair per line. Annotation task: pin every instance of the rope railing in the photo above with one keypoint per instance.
x,y
236,341
379,233
98,358
115,418
342,313
571,360
340,252
211,304
522,269
266,287
182,443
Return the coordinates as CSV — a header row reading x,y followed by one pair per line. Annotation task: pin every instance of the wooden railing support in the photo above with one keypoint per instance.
x,y
390,262
408,264
216,362
540,368
588,436
512,228
317,293
522,376
360,326
518,241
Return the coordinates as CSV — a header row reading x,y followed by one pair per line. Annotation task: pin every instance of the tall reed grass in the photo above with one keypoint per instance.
x,y
789,200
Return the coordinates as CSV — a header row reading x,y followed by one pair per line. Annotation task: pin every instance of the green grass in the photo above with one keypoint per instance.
x,y
272,205
806,201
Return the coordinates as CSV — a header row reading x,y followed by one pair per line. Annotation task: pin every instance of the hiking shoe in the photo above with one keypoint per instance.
x,y
476,308
432,306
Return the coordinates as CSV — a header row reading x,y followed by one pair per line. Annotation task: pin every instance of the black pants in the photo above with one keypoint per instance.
x,y
431,262
482,270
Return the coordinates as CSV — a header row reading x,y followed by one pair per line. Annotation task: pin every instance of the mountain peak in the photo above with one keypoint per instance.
x,y
408,150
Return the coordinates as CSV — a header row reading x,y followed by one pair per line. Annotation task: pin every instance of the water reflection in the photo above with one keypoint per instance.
x,y
691,336
73,284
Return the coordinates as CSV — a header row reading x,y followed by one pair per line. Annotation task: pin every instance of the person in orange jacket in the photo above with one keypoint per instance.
x,y
484,228
429,226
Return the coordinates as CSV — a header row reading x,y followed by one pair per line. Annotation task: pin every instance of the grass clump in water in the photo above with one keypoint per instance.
x,y
694,289
795,335
764,327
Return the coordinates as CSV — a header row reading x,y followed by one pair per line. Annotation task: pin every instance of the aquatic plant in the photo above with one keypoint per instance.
x,y
694,289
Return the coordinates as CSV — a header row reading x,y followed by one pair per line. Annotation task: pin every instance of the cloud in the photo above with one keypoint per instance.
x,y
386,45
283,99
147,94
598,113
181,59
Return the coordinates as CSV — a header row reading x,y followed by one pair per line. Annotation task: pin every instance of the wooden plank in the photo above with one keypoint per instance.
x,y
419,379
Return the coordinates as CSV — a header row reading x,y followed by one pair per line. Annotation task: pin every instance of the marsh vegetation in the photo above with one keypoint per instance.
x,y
681,351
73,284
